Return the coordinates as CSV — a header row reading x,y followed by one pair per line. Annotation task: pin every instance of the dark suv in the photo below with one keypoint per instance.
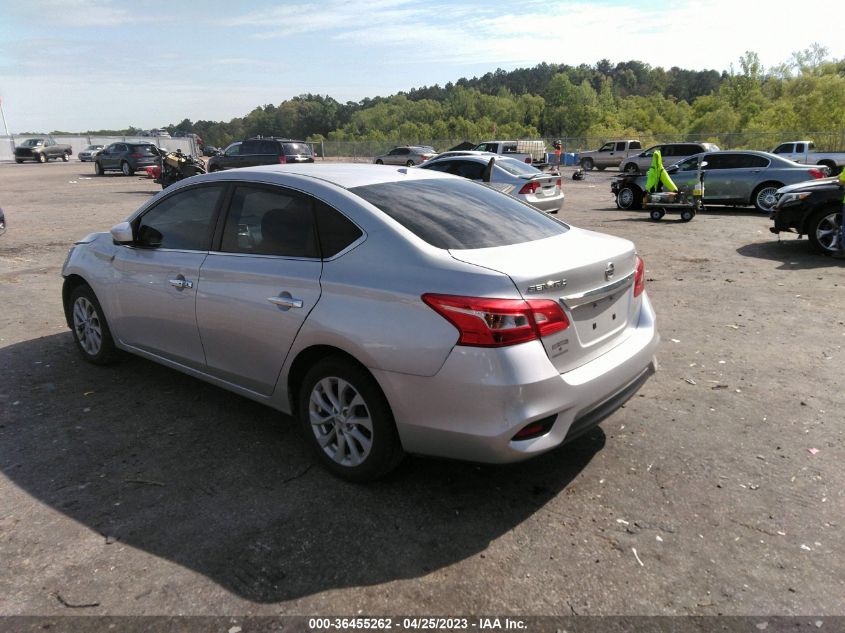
x,y
261,151
813,209
126,157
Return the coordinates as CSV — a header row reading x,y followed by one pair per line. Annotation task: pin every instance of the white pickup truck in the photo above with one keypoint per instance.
x,y
611,154
805,152
531,152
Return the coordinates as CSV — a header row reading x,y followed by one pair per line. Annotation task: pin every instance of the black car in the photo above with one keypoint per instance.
x,y
126,157
261,151
813,209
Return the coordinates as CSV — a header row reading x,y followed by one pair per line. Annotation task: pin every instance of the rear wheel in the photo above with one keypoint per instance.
x,y
90,330
631,168
628,198
587,163
656,214
601,167
825,231
98,168
126,168
410,163
18,161
379,162
763,197
687,215
347,420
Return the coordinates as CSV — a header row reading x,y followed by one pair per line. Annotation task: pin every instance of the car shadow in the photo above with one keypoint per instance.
x,y
793,254
156,460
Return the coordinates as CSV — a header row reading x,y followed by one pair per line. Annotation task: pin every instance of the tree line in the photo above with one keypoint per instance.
x,y
807,92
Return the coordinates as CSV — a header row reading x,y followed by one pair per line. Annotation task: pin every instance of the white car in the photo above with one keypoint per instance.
x,y
390,310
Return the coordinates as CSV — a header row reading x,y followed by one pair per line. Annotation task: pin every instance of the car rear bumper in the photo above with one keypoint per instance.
x,y
550,204
472,408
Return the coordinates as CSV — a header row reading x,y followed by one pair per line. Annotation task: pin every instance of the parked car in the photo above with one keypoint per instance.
x,y
731,177
805,152
531,152
126,158
90,152
158,132
261,151
210,150
611,154
670,152
508,175
41,150
495,333
813,209
409,155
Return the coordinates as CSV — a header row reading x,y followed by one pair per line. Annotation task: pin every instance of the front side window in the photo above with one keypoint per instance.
x,y
459,214
264,221
233,150
182,221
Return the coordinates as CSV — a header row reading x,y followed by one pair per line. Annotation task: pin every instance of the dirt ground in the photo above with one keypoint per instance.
x,y
717,490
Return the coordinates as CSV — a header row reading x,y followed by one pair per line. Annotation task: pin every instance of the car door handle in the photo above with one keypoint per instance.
x,y
181,283
285,302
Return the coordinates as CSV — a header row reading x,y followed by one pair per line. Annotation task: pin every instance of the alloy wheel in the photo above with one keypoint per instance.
x,y
86,325
341,421
829,232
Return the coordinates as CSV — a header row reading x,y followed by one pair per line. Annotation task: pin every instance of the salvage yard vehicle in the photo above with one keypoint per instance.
x,y
126,158
805,152
409,155
740,177
813,209
90,152
495,334
261,151
611,154
41,150
524,182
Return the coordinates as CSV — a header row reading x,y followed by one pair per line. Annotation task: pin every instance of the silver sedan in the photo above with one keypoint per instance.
x,y
388,310
508,175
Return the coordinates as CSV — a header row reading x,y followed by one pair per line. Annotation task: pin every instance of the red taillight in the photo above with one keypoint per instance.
x,y
559,183
816,173
528,159
530,187
136,155
484,322
639,277
282,159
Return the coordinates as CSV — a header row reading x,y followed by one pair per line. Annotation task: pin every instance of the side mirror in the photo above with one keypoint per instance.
x,y
122,233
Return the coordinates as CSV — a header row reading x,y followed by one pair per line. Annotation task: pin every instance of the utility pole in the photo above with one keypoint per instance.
x,y
3,114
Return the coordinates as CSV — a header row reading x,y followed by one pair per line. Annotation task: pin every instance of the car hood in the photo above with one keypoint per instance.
x,y
810,185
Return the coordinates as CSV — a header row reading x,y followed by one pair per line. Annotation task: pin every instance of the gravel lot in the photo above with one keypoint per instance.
x,y
718,490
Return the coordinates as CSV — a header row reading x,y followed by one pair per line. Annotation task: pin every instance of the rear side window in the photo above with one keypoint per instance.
x,y
183,221
635,145
263,221
459,214
336,231
260,147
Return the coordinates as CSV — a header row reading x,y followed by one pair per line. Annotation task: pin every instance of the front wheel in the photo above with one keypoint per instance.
x,y
65,157
631,168
42,158
98,168
347,420
657,214
90,330
825,231
587,163
410,163
18,161
379,162
126,168
687,215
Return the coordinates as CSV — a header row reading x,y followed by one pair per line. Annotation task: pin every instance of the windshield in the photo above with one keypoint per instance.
x,y
33,142
459,214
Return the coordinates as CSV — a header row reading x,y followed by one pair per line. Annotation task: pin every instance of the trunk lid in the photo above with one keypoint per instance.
x,y
591,275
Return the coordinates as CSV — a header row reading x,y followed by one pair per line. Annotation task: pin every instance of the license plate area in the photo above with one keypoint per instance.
x,y
601,318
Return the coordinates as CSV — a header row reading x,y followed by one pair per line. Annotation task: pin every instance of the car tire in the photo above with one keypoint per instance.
x,y
65,157
18,161
334,392
409,163
91,332
98,168
824,231
763,197
587,164
126,168
656,214
42,158
379,162
601,167
629,198
631,168
687,215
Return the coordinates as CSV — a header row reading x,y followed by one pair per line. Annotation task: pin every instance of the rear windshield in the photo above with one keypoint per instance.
x,y
517,168
459,214
144,149
297,148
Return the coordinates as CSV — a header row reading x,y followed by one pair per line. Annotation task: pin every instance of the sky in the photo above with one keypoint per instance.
x,y
78,65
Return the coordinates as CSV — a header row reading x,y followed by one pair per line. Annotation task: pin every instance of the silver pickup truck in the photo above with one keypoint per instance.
x,y
611,154
805,152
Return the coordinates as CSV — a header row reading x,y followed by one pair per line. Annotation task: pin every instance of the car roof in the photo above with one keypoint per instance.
x,y
346,175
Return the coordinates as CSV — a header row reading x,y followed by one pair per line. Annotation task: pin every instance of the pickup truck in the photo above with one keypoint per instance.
x,y
805,152
531,152
41,150
611,154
